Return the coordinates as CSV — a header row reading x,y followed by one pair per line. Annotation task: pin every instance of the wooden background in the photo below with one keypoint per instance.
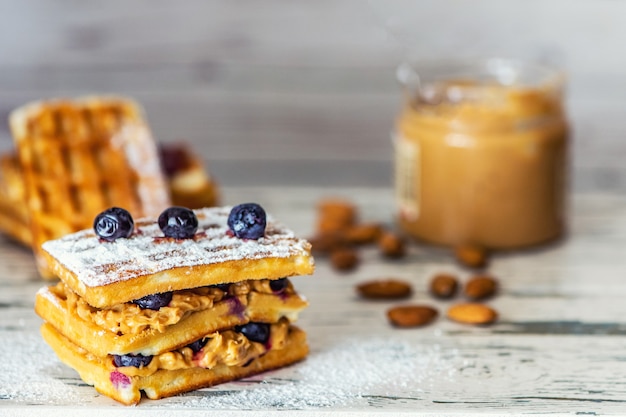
x,y
268,87
288,101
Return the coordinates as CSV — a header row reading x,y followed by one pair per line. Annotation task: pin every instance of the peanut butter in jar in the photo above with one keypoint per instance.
x,y
481,154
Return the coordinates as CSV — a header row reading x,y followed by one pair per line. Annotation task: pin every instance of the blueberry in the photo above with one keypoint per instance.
x,y
178,222
113,223
256,332
137,360
223,287
198,344
279,285
247,221
154,301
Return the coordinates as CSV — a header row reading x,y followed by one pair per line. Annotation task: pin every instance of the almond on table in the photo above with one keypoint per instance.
x,y
340,234
472,256
363,234
480,287
472,313
335,214
326,243
444,286
388,289
344,259
412,315
391,245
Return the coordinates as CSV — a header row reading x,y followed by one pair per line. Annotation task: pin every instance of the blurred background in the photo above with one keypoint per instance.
x,y
268,87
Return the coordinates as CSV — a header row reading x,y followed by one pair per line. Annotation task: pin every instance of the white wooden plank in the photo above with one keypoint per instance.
x,y
557,347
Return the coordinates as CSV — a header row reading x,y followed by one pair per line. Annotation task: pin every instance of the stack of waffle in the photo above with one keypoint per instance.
x,y
227,314
190,185
74,158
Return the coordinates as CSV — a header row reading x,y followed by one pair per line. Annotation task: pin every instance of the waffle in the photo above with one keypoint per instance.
x,y
106,275
203,311
13,211
189,184
112,382
220,285
78,158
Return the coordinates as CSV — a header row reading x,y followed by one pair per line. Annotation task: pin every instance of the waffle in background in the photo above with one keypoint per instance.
x,y
79,157
190,185
13,210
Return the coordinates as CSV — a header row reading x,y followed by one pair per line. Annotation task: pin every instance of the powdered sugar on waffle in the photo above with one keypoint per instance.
x,y
98,263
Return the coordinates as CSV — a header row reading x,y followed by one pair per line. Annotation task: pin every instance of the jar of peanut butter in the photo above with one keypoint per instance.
x,y
481,154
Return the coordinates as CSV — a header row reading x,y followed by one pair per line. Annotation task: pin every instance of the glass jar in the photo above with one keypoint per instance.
x,y
481,154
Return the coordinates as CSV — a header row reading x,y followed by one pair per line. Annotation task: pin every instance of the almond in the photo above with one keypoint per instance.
x,y
472,256
444,286
361,234
388,289
391,245
335,214
472,313
480,287
411,315
344,259
325,243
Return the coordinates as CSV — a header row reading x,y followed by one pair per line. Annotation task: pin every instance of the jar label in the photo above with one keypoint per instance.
x,y
407,181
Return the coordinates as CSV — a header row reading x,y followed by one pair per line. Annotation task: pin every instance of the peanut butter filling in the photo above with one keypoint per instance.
x,y
227,348
129,318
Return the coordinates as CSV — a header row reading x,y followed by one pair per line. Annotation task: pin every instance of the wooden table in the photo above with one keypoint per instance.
x,y
558,347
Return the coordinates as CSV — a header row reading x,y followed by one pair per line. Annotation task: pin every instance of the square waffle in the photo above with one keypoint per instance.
x,y
79,157
221,286
13,211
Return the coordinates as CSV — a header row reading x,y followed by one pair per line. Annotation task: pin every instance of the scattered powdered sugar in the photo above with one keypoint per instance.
x,y
35,379
97,263
346,375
